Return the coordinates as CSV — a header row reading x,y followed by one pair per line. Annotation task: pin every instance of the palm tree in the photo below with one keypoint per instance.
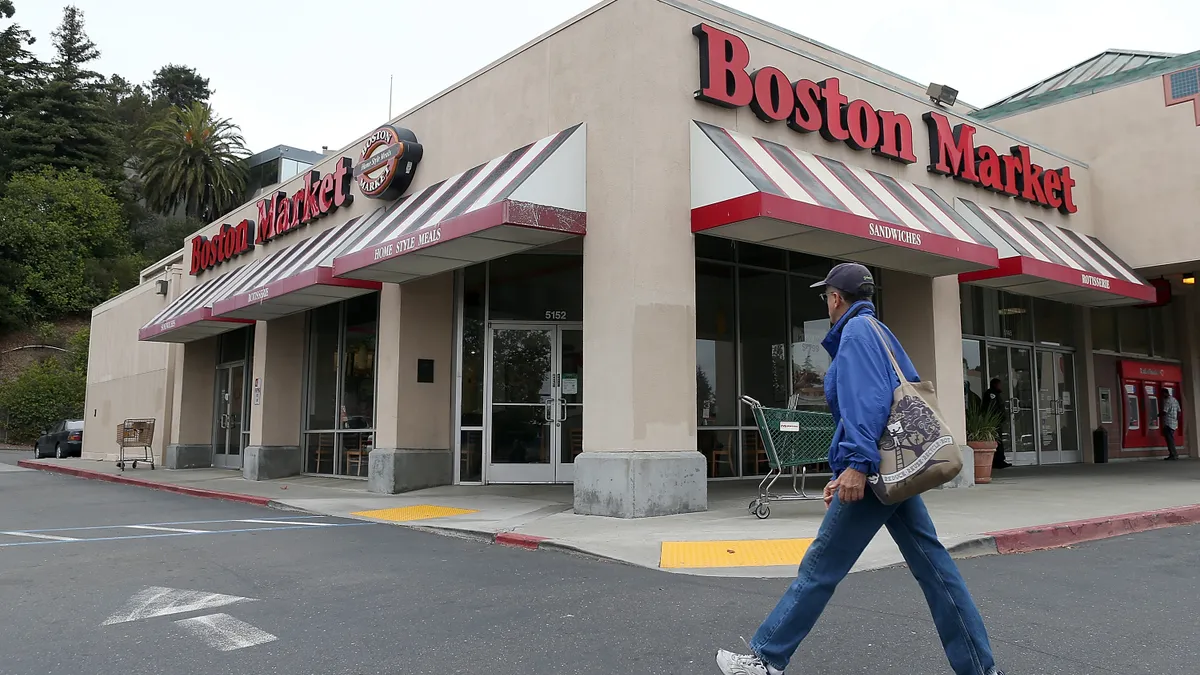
x,y
195,160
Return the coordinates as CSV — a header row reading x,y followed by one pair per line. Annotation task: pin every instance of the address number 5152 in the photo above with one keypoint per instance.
x,y
556,315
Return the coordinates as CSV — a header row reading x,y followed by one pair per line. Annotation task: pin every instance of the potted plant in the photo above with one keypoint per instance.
x,y
983,429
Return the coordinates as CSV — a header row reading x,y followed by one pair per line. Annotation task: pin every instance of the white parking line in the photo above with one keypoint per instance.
x,y
223,632
282,522
165,529
51,537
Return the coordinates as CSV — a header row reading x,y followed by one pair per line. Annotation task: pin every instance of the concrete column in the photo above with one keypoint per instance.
x,y
639,335
924,314
1087,407
413,418
275,419
191,407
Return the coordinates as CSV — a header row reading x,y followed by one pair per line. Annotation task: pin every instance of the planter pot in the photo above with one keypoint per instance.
x,y
984,453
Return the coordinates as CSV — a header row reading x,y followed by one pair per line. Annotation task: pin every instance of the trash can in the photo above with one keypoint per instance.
x,y
1100,445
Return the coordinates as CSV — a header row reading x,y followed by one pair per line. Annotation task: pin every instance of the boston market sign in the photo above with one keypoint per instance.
x,y
277,215
807,106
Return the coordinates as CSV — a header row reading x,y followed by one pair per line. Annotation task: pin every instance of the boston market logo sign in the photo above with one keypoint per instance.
x,y
807,106
277,215
386,163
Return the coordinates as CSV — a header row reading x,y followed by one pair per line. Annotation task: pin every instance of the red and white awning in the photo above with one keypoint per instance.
x,y
190,316
763,192
1052,262
295,279
530,197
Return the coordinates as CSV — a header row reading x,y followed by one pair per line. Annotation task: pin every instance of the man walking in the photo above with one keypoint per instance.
x,y
1170,422
858,388
993,401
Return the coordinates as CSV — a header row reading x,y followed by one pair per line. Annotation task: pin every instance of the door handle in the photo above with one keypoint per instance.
x,y
562,410
548,410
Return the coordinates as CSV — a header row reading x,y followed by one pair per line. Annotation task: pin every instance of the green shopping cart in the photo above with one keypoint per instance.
x,y
793,439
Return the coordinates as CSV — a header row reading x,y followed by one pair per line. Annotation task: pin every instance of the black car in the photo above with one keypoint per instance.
x,y
65,439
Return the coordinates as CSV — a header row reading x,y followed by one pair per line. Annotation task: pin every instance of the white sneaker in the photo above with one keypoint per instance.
x,y
743,664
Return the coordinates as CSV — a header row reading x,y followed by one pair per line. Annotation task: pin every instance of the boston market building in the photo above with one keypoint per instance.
x,y
416,309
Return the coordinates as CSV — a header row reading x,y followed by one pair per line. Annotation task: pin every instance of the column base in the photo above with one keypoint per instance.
x,y
396,470
267,462
189,457
640,484
966,477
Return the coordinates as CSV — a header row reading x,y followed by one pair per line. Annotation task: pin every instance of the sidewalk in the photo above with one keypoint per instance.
x,y
1010,515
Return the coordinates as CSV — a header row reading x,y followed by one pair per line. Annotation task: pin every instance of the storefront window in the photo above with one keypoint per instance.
x,y
473,357
1014,313
1054,322
1163,337
536,287
762,322
340,387
973,376
1133,327
716,374
970,307
810,361
762,256
1104,330
235,345
322,367
991,313
714,248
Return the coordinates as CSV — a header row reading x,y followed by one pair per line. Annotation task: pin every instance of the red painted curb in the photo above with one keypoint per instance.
x,y
1058,535
525,541
153,485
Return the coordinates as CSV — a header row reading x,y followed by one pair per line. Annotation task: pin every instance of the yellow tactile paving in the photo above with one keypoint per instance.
x,y
405,514
739,553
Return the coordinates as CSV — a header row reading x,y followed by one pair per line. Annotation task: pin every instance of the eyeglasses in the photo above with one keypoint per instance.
x,y
824,297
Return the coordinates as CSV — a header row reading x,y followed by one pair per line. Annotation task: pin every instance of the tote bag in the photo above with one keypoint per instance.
x,y
917,451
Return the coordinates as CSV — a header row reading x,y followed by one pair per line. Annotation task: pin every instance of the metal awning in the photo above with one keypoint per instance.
x,y
763,192
295,279
530,197
1052,262
190,316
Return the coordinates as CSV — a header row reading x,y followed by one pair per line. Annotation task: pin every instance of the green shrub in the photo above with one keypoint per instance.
x,y
39,397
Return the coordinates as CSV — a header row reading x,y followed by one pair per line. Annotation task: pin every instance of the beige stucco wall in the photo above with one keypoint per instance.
x,y
1145,167
275,420
127,378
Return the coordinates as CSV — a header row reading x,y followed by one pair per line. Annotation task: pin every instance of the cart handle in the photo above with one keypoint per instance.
x,y
751,402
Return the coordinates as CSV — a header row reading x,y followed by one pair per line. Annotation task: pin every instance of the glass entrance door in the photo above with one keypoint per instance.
x,y
1058,430
1014,367
534,426
228,438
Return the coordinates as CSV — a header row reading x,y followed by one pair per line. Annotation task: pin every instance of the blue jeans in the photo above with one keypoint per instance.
x,y
844,534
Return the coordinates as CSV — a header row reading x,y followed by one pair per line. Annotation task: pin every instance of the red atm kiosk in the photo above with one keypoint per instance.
x,y
1143,389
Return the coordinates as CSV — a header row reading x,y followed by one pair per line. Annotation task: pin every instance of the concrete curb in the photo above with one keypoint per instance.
x,y
1059,535
153,485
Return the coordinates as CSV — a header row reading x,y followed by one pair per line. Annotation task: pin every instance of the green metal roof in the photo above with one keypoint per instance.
x,y
1109,70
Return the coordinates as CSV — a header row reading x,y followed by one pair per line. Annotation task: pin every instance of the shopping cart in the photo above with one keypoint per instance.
x,y
793,439
135,433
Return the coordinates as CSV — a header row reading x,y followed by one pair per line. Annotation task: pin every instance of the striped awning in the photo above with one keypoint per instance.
x,y
190,316
530,197
760,191
295,279
1052,262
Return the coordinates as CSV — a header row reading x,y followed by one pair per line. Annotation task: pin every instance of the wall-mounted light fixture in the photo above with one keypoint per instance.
x,y
161,286
941,94
1189,279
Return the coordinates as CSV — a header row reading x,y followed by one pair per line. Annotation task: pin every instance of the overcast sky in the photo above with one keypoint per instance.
x,y
310,73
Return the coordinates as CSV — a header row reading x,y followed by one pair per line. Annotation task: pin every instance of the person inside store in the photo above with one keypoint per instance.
x,y
1170,422
993,400
859,388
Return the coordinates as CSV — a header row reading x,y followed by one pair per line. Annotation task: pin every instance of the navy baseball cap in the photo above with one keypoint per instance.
x,y
848,277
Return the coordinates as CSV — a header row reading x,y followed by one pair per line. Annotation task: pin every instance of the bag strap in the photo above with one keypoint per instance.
x,y
888,348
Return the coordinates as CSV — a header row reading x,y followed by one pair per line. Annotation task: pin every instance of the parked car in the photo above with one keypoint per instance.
x,y
64,439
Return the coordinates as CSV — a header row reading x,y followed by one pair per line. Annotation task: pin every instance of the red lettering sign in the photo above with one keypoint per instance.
x,y
228,243
807,106
952,152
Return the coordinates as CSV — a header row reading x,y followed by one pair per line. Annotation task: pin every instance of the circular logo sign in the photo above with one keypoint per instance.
x,y
387,161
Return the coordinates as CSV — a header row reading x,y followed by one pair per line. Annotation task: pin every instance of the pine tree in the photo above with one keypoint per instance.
x,y
18,71
63,119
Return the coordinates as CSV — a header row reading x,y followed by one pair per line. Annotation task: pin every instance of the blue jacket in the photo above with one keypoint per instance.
x,y
859,386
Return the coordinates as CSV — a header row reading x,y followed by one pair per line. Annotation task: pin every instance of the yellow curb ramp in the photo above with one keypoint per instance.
x,y
733,553
406,514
